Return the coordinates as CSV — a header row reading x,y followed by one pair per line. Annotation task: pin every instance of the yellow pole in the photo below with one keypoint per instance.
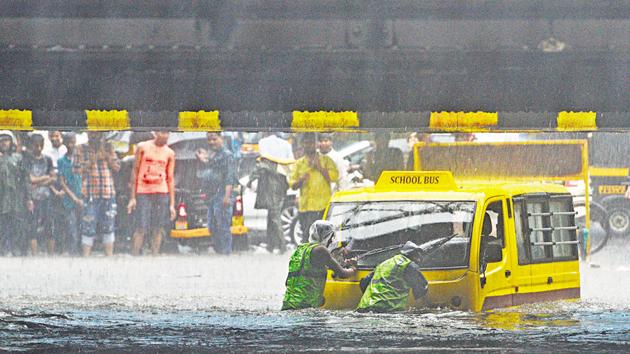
x,y
416,156
587,199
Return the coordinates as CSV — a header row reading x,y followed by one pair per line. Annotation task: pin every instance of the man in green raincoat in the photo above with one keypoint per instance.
x,y
389,284
308,268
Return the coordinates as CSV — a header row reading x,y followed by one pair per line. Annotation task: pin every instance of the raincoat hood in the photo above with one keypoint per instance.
x,y
322,232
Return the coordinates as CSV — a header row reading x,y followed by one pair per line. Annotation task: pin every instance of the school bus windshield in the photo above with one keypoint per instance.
x,y
376,230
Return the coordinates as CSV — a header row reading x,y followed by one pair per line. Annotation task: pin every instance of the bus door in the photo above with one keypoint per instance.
x,y
494,261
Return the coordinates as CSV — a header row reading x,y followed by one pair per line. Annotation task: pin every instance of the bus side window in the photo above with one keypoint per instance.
x,y
545,228
501,230
563,224
522,241
538,226
489,230
495,212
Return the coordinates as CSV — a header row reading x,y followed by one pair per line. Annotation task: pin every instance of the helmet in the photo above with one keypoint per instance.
x,y
322,232
7,133
411,248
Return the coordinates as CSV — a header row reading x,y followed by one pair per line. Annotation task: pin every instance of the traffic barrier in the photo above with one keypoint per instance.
x,y
299,121
15,119
107,120
469,121
199,121
577,121
323,120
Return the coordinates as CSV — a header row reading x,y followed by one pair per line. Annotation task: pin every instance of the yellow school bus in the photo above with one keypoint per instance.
x,y
514,239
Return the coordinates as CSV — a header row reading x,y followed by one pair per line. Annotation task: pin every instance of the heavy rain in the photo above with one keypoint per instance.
x,y
242,176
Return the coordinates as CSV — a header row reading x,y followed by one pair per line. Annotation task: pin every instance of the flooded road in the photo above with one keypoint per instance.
x,y
212,303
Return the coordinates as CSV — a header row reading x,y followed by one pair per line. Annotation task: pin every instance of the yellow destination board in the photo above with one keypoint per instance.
x,y
416,179
611,189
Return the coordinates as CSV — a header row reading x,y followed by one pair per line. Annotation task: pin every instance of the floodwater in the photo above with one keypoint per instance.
x,y
214,303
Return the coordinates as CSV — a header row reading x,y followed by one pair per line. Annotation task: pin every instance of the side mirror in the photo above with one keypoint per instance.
x,y
493,252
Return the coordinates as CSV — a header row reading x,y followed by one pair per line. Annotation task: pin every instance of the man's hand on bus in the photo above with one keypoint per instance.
x,y
352,262
350,272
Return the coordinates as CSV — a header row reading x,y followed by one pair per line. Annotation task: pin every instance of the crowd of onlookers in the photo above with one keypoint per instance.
x,y
62,198
56,198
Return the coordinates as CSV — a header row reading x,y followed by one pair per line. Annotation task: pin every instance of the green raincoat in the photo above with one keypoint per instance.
x,y
305,283
388,291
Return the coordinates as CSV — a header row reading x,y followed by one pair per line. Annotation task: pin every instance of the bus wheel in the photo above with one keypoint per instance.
x,y
618,216
600,227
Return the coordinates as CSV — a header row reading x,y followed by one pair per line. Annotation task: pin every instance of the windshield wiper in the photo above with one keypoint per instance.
x,y
354,208
428,247
379,250
352,211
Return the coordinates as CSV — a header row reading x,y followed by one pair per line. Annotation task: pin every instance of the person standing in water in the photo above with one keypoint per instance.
x,y
389,284
326,148
56,151
308,268
271,172
97,162
70,181
312,175
14,197
152,191
217,172
42,176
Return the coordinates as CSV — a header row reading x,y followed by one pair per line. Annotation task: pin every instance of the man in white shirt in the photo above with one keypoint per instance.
x,y
326,148
275,147
271,172
57,150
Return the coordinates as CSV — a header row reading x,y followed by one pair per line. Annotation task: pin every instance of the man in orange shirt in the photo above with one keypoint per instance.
x,y
152,191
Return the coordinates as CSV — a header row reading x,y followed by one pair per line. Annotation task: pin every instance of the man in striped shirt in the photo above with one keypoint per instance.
x,y
96,161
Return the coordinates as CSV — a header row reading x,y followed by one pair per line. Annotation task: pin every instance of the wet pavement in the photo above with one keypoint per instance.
x,y
213,303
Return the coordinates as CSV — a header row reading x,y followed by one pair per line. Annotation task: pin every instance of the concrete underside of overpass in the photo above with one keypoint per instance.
x,y
311,80
278,56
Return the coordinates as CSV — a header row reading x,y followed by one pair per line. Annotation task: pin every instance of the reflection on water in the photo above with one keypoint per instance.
x,y
232,303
